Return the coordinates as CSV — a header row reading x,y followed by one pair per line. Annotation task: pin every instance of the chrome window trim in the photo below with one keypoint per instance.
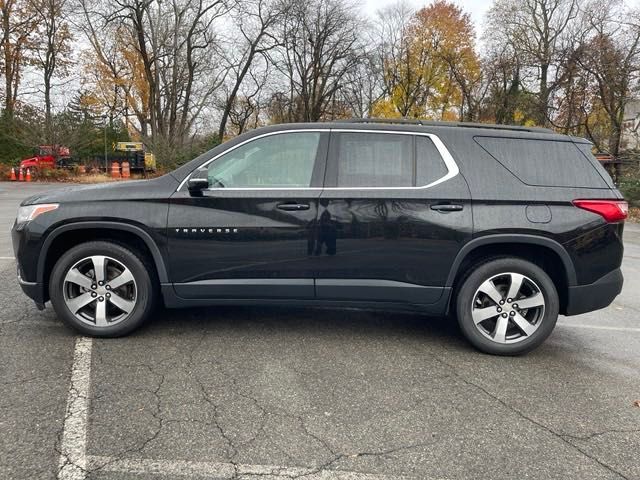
x,y
450,163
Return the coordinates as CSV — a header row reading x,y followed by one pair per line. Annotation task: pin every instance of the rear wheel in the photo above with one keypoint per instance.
x,y
507,306
101,289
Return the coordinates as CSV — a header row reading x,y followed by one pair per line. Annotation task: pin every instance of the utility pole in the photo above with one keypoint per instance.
x,y
106,166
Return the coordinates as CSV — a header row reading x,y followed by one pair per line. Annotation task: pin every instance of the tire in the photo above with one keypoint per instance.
x,y
109,309
476,299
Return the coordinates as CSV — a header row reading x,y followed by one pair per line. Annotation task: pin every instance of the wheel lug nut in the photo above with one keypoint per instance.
x,y
100,283
94,286
515,305
501,302
108,295
509,300
108,287
512,313
504,315
101,299
499,309
94,294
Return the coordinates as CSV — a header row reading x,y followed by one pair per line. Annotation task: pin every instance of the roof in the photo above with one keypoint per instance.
x,y
433,123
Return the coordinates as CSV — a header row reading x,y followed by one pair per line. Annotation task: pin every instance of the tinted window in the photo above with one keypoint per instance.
x,y
543,162
283,160
429,164
587,151
375,160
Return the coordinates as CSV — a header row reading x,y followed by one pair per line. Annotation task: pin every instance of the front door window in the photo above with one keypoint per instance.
x,y
277,161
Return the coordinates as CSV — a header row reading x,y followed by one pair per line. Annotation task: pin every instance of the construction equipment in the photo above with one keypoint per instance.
x,y
135,153
48,156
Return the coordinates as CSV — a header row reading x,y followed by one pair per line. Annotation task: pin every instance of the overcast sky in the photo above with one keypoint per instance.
x,y
477,8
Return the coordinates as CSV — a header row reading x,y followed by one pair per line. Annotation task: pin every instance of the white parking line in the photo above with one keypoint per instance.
x,y
220,470
600,327
7,258
72,464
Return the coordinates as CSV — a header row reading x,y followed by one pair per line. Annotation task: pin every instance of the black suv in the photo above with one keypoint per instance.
x,y
504,227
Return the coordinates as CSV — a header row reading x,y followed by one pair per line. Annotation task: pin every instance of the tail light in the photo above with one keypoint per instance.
x,y
611,210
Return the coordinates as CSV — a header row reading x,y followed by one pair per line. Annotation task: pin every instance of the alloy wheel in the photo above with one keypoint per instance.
x,y
100,291
508,308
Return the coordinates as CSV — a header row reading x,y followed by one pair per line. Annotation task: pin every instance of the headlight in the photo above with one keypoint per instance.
x,y
29,212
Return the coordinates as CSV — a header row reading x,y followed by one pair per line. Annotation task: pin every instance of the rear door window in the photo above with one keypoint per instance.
x,y
385,160
375,160
548,163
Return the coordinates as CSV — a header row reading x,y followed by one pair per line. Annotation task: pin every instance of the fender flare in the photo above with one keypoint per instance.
x,y
104,225
514,238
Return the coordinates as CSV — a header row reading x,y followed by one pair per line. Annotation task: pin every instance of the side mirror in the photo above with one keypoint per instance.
x,y
197,185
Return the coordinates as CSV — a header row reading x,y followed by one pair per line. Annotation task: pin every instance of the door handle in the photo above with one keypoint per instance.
x,y
446,208
293,207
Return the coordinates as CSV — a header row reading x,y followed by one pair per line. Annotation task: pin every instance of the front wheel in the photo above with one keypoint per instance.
x,y
507,306
101,289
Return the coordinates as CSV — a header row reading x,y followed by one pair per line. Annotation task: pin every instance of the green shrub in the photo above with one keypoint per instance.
x,y
630,188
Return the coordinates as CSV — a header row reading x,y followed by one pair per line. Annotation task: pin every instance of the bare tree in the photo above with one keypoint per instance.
x,y
364,86
401,65
611,57
169,51
541,33
53,51
256,20
321,45
246,109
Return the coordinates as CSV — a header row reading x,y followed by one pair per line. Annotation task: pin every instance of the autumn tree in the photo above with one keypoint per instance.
x,y
17,24
430,68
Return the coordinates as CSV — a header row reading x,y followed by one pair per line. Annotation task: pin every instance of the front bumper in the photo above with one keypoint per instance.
x,y
34,291
26,267
597,295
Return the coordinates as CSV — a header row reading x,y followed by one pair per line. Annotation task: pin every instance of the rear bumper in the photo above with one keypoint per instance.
x,y
597,295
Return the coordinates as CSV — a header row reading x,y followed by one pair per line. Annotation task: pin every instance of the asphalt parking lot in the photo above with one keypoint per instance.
x,y
284,393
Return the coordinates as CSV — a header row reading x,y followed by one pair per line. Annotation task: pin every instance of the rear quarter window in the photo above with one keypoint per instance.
x,y
430,166
545,163
585,148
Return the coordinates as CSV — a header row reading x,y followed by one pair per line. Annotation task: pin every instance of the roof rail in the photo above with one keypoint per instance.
x,y
433,123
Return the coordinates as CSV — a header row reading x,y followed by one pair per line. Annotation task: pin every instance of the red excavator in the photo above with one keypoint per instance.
x,y
48,156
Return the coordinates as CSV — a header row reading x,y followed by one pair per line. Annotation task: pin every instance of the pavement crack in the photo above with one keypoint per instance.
x,y
155,414
526,417
597,434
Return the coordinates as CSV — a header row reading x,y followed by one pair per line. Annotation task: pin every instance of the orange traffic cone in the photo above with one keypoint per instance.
x,y
13,174
28,175
21,176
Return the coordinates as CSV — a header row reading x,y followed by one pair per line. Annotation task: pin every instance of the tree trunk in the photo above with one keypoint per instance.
x,y
543,102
